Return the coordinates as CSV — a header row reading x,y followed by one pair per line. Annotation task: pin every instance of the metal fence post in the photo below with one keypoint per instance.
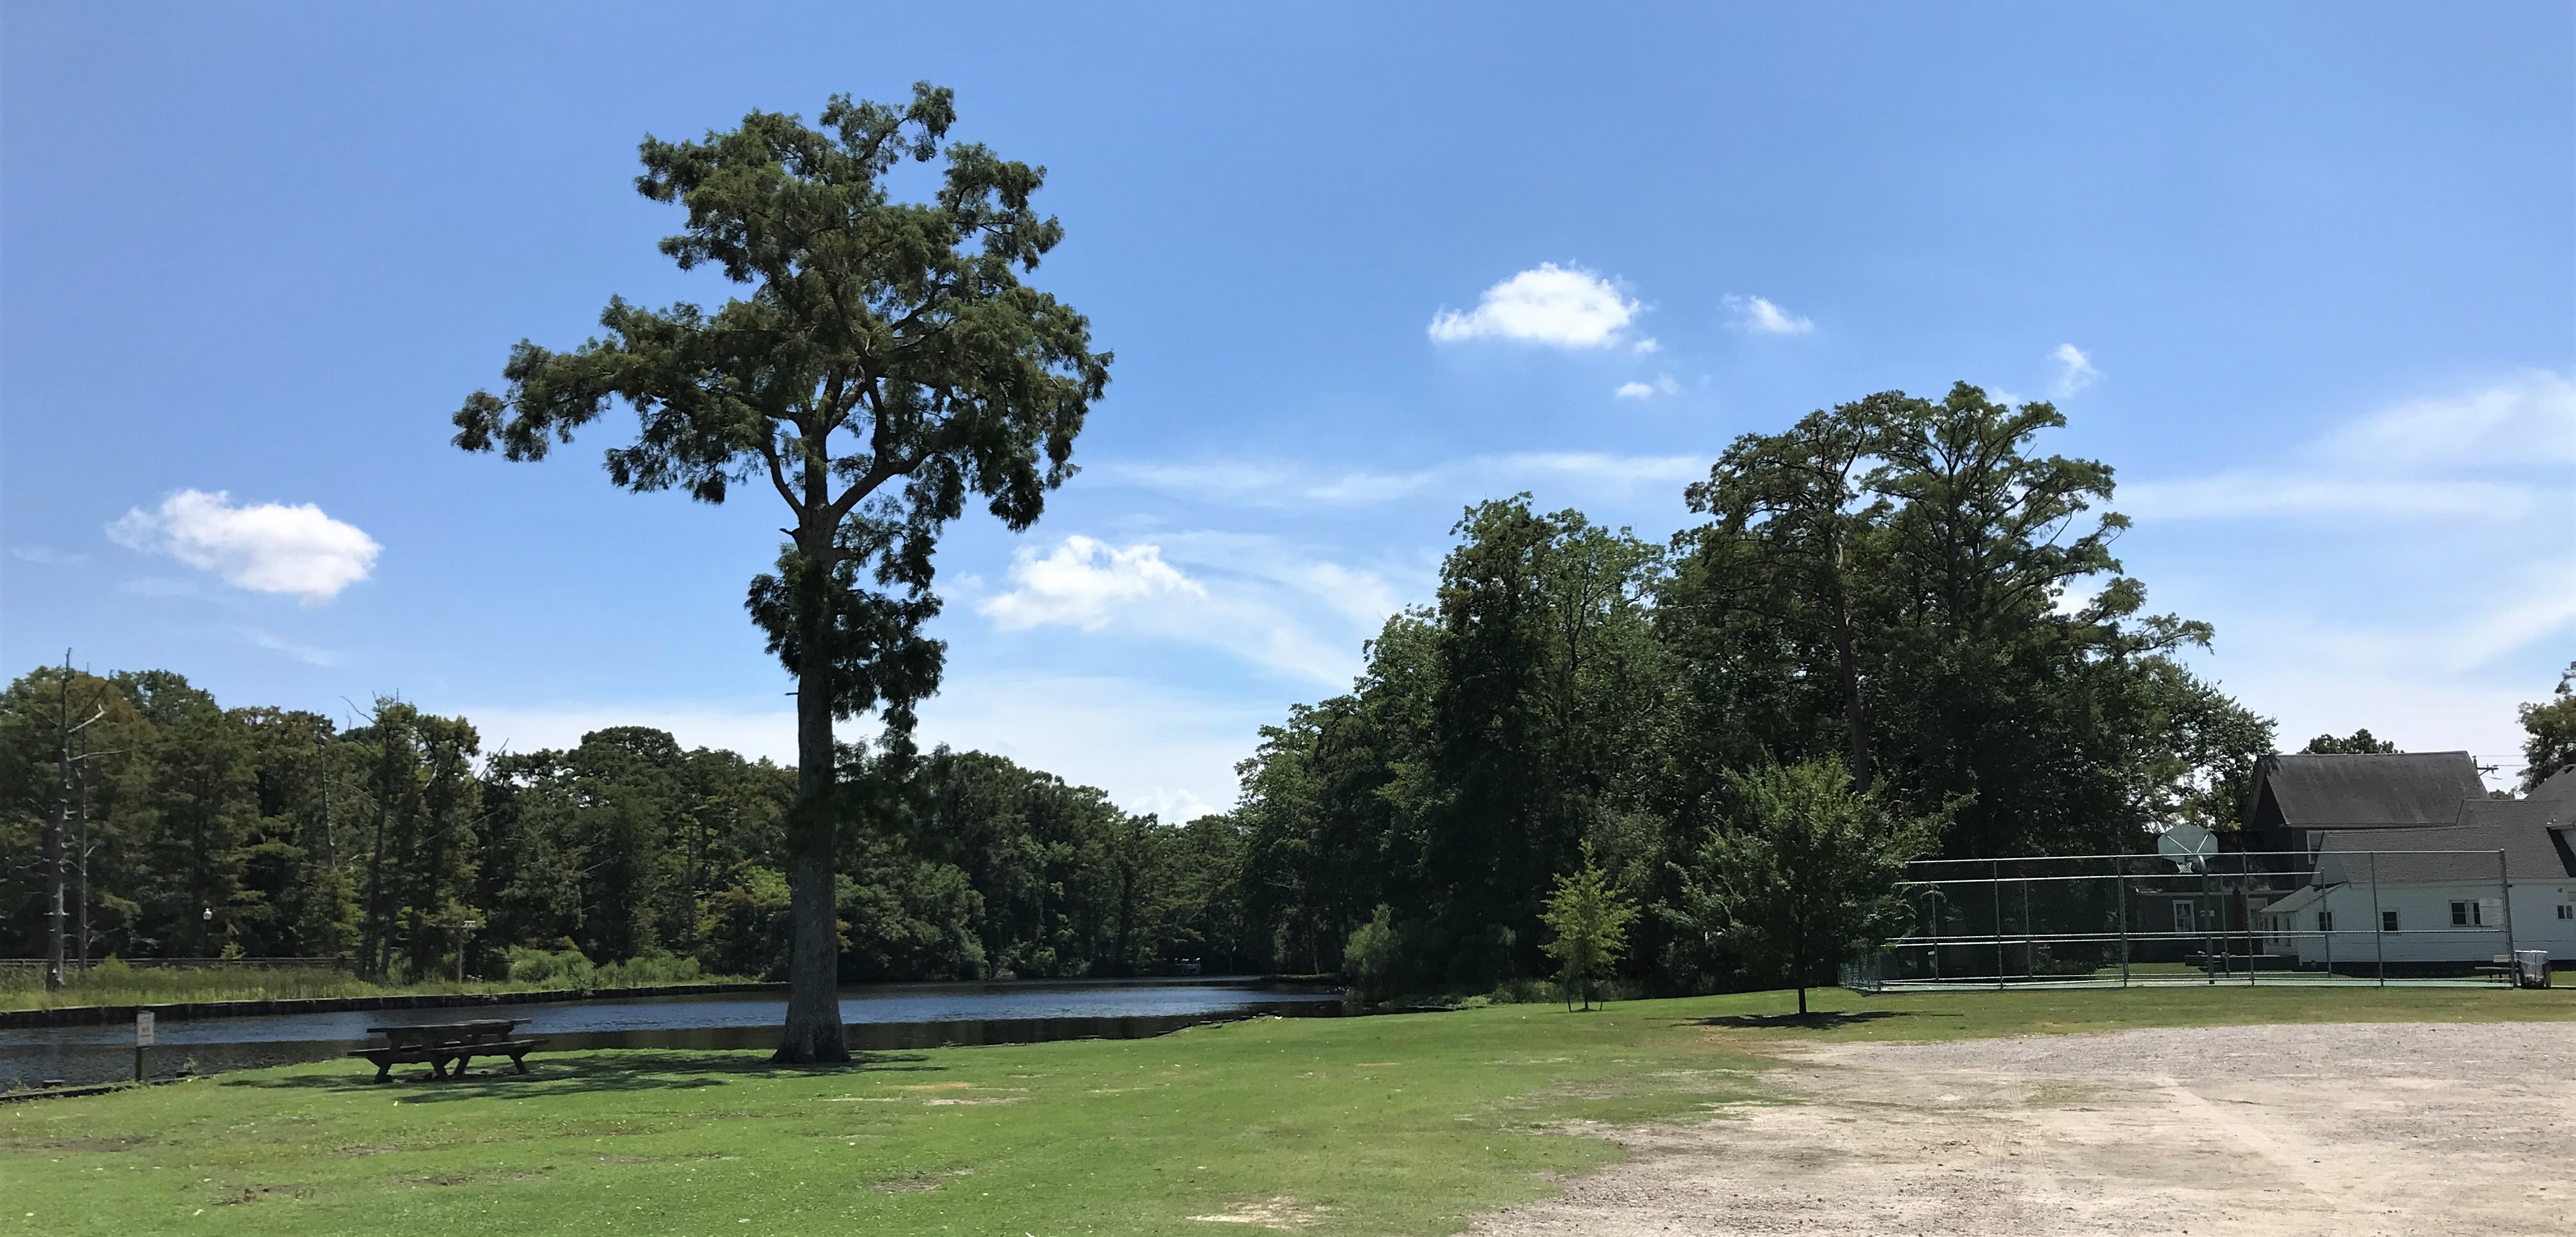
x,y
2378,926
2245,903
2029,945
2209,956
1998,887
2120,887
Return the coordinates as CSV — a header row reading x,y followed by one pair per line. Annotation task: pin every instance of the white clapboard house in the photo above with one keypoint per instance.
x,y
2410,863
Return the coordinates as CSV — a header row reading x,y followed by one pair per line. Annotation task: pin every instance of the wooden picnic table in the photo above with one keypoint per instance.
x,y
437,1044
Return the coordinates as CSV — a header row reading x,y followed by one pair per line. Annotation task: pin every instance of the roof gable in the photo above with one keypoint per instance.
x,y
2559,787
2395,790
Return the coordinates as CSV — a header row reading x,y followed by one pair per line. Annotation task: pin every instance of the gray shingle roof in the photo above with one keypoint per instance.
x,y
2395,791
2532,833
2559,787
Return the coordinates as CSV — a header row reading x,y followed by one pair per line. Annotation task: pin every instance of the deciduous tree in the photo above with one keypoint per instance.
x,y
1588,925
886,363
2551,727
1805,874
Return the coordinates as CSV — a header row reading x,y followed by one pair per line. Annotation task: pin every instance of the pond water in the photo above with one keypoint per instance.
x,y
879,1018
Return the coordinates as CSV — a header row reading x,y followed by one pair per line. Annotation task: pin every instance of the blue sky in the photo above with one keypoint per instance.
x,y
2304,274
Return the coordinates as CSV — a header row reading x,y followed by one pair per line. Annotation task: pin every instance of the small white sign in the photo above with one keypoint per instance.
x,y
143,1028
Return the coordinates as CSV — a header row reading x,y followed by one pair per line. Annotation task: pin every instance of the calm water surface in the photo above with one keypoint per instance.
x,y
879,1018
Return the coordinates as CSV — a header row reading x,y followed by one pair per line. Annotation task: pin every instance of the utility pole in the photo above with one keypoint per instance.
x,y
80,905
54,912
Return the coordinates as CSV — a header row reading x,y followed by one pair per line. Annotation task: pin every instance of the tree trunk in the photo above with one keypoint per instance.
x,y
1798,961
813,1032
1855,721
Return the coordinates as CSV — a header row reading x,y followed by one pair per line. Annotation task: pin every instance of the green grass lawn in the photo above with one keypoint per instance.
x,y
1403,1124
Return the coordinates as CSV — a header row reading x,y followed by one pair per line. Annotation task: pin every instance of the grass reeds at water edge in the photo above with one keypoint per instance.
x,y
114,983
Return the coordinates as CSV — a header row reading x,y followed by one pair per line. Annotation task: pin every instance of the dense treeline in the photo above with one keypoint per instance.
x,y
1897,595
195,830
1902,584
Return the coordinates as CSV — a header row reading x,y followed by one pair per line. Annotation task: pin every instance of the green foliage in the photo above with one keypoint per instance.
x,y
886,363
1402,1125
1805,874
2551,729
112,982
1590,922
1916,586
1373,959
623,860
549,968
2359,743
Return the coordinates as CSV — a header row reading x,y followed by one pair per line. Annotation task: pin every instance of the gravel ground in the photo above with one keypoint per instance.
x,y
2283,1131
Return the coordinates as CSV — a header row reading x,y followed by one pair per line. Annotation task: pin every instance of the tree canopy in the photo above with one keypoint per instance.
x,y
1913,586
1804,875
886,362
2550,727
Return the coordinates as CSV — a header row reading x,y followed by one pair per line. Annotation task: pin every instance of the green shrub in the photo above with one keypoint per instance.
x,y
557,968
1373,958
644,969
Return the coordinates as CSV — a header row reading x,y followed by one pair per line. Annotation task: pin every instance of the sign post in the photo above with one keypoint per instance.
x,y
142,1040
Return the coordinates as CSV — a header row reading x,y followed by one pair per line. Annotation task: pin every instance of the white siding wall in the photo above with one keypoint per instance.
x,y
2424,932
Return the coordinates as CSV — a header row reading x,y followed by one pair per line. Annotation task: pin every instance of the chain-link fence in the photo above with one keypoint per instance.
x,y
2366,917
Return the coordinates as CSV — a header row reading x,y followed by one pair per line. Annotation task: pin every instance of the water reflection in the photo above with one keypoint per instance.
x,y
878,1019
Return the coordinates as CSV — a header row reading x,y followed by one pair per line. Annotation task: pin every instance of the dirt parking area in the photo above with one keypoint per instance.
x,y
2282,1131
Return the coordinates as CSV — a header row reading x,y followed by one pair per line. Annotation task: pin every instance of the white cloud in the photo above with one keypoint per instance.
x,y
1081,582
1247,596
1662,385
2408,571
2075,370
47,556
311,655
1153,746
2494,455
2242,494
755,733
1173,807
2527,419
1561,306
267,548
1761,317
1290,485
1621,472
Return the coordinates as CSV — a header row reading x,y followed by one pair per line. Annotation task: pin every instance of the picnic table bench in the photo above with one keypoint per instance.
x,y
437,1044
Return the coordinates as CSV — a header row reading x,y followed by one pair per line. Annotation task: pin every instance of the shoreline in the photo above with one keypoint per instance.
x,y
100,1015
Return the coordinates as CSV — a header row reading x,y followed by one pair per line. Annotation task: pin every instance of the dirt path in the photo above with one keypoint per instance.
x,y
2283,1131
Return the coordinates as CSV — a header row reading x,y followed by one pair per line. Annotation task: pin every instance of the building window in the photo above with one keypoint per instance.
x,y
2567,911
2387,921
2460,914
2325,921
2182,916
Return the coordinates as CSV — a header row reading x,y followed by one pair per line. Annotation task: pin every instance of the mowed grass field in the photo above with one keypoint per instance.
x,y
1402,1124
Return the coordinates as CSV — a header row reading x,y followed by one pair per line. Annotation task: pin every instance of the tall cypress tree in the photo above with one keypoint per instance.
x,y
886,362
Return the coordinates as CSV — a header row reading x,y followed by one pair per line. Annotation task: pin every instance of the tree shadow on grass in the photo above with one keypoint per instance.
x,y
1819,1021
582,1073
